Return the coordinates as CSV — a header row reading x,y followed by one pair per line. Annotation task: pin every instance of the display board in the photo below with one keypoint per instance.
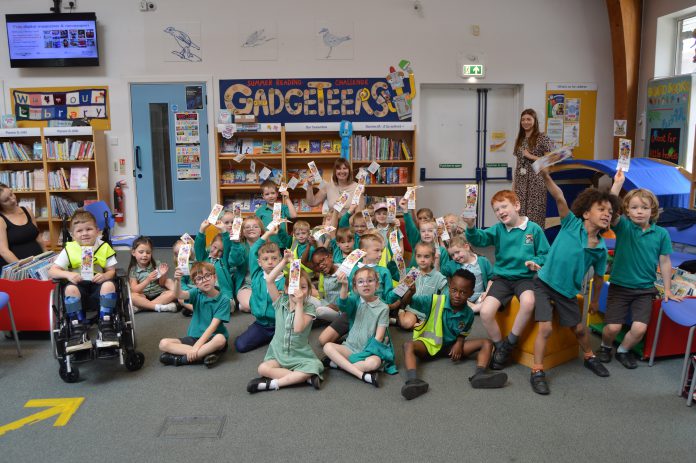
x,y
570,116
36,106
668,114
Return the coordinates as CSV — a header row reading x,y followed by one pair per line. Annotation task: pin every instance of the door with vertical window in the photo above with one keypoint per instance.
x,y
171,165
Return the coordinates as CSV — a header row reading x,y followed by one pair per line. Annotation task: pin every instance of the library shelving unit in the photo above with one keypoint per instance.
x,y
60,149
319,142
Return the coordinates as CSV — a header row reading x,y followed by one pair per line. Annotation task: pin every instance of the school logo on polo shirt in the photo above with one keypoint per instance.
x,y
529,238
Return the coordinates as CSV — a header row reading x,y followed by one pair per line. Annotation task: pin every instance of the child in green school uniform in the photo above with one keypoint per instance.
x,y
329,288
216,256
463,257
263,258
429,282
269,191
520,250
578,246
289,359
238,260
301,245
363,353
640,247
207,336
425,231
186,284
445,332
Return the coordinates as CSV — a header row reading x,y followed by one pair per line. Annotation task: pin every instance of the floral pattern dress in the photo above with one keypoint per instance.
x,y
528,185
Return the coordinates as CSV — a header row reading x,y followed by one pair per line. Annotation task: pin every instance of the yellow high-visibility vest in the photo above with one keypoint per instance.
x,y
430,332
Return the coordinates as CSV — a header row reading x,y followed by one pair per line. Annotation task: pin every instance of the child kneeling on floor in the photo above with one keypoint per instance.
x,y
207,336
289,359
444,334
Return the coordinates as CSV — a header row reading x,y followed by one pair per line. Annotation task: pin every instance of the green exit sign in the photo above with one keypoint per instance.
x,y
473,70
450,166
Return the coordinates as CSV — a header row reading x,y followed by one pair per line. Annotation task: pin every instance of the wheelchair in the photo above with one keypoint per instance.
x,y
123,323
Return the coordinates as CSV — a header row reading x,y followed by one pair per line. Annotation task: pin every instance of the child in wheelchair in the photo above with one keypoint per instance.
x,y
89,266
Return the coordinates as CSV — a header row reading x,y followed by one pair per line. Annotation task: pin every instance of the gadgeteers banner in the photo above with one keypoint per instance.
x,y
311,100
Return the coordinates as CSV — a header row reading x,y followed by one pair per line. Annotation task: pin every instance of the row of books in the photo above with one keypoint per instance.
x,y
32,267
69,149
378,148
13,151
250,146
250,202
389,176
313,146
78,179
240,176
30,204
24,179
62,206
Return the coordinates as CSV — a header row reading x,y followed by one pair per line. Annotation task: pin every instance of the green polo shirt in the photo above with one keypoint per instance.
x,y
222,271
204,310
513,247
238,263
637,254
570,258
265,213
453,323
260,302
338,256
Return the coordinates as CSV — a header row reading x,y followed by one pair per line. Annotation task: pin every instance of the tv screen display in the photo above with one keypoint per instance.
x,y
52,40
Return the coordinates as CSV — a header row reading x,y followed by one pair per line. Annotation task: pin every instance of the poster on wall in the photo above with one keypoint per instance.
x,y
186,126
334,39
188,162
313,100
258,41
571,115
37,106
181,42
668,118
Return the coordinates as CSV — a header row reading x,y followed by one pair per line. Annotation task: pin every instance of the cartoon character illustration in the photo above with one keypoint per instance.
x,y
345,131
401,101
331,40
185,42
256,38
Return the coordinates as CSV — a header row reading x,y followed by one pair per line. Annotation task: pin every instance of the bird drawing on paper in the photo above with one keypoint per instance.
x,y
185,42
332,41
256,38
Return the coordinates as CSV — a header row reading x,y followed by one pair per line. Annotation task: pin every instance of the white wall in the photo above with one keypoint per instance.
x,y
528,42
657,52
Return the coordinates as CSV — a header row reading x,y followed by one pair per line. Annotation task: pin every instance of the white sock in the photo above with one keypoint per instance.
x,y
333,364
367,377
158,307
274,385
621,349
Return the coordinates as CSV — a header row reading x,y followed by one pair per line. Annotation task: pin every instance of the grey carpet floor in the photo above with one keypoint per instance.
x,y
631,416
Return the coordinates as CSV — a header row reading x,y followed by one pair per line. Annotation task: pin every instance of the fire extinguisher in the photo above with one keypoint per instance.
x,y
119,201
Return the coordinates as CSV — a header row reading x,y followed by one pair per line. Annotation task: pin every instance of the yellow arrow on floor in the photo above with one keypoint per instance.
x,y
64,408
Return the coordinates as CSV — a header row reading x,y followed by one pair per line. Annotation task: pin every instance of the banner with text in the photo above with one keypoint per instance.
x,y
312,100
667,115
34,107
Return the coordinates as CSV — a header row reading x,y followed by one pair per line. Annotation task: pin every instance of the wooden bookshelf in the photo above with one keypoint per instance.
x,y
98,180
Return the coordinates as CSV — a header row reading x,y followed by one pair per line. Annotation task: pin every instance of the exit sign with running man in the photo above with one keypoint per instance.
x,y
473,70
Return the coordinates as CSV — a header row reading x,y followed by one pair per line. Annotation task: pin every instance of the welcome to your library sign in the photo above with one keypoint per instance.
x,y
311,100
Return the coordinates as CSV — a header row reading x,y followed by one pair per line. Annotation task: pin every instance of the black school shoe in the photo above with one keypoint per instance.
x,y
539,384
414,388
595,366
253,386
627,360
315,381
501,356
488,380
210,360
604,354
172,359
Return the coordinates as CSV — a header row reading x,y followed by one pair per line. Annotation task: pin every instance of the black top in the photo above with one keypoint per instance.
x,y
21,239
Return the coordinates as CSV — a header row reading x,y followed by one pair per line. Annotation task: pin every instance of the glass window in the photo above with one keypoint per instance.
x,y
161,157
685,46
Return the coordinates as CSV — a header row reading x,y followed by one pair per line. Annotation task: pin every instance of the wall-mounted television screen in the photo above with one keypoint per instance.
x,y
52,40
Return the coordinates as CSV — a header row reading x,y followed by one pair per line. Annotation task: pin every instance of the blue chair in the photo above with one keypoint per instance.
x,y
684,314
5,302
105,221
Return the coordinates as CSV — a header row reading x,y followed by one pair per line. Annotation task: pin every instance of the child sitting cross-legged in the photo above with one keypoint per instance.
x,y
149,285
449,320
206,337
363,351
289,359
463,257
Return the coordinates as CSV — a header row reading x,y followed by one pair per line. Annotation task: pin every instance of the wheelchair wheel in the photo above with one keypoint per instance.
x,y
134,360
71,377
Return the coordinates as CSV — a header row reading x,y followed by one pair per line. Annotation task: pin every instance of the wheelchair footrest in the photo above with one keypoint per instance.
x,y
107,352
81,356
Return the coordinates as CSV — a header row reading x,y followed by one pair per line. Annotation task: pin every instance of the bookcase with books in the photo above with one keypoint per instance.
x,y
243,156
53,171
390,144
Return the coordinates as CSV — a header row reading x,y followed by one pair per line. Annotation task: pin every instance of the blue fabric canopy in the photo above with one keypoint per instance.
x,y
670,186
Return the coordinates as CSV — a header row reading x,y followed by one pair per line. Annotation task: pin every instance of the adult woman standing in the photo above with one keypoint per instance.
x,y
19,235
341,180
531,144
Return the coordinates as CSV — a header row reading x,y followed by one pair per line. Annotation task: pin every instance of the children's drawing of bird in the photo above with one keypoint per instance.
x,y
332,41
185,42
256,38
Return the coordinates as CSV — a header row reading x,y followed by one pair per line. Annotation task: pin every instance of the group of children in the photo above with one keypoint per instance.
x,y
358,294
